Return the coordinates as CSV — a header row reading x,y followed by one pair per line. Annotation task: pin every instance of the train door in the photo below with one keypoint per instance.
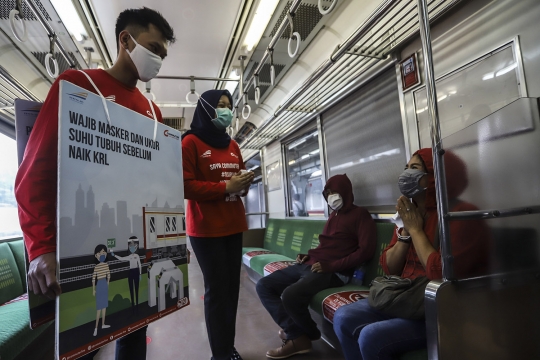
x,y
304,173
254,202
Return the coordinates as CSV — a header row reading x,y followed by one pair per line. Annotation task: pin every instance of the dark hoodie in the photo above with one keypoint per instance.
x,y
349,236
469,238
202,125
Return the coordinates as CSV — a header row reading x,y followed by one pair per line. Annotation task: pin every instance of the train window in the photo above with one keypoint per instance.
x,y
305,180
9,223
471,93
364,139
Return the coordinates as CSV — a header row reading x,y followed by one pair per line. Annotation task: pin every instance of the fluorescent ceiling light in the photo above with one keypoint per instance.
x,y
254,168
304,156
264,12
295,144
442,98
176,105
506,70
292,162
314,152
488,76
316,173
70,18
231,85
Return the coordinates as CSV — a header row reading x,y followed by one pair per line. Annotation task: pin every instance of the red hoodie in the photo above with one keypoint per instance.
x,y
36,181
470,239
349,236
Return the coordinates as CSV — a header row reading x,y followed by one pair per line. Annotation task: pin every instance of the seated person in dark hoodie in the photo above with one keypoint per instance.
x,y
348,240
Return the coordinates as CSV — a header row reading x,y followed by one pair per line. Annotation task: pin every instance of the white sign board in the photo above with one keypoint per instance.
x,y
113,179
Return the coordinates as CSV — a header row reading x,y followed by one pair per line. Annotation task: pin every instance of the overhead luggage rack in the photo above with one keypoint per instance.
x,y
394,22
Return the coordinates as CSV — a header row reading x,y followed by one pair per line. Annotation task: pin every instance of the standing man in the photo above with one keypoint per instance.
x,y
143,37
135,270
347,241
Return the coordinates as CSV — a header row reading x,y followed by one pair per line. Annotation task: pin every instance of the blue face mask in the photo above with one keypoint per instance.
x,y
224,116
102,258
132,249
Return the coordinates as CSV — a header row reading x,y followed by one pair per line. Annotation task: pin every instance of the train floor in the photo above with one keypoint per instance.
x,y
182,336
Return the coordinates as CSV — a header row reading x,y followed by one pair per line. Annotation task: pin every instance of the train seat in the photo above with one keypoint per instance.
x,y
17,340
285,238
326,302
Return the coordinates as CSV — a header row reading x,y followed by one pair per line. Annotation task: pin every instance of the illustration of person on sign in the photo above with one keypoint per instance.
x,y
100,285
135,270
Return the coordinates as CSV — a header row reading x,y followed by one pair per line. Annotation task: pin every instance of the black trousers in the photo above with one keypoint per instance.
x,y
130,347
286,295
220,260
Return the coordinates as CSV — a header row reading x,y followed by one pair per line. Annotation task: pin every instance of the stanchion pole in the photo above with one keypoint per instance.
x,y
436,144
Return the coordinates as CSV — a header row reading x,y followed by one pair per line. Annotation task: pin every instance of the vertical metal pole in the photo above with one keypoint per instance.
x,y
322,154
436,144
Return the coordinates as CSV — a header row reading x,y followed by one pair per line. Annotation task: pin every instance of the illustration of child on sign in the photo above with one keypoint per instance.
x,y
135,270
100,285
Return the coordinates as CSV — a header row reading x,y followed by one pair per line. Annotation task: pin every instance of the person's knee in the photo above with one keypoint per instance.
x,y
291,299
369,337
340,318
262,287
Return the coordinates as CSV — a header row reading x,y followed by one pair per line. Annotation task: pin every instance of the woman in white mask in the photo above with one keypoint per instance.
x,y
214,180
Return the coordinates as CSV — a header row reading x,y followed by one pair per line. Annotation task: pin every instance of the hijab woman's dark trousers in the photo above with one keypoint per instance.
x,y
220,259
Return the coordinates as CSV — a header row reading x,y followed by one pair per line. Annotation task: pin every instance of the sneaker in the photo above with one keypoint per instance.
x,y
95,331
289,348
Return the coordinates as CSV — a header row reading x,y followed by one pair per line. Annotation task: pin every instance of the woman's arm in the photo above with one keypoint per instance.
x,y
413,224
394,257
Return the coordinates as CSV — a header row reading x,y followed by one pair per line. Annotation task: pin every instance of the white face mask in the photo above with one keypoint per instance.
x,y
146,62
335,201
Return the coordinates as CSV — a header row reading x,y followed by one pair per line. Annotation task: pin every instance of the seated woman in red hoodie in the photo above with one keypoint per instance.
x,y
348,240
366,333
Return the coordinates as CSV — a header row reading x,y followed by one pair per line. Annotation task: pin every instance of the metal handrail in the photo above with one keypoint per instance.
x,y
6,76
492,214
317,92
342,50
258,213
284,24
436,143
199,78
50,32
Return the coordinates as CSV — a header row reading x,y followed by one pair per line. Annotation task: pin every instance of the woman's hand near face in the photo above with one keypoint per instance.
x,y
239,182
412,219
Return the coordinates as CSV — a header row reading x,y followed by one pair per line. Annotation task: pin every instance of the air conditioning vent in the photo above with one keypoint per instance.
x,y
62,63
264,75
251,91
305,20
174,122
7,5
